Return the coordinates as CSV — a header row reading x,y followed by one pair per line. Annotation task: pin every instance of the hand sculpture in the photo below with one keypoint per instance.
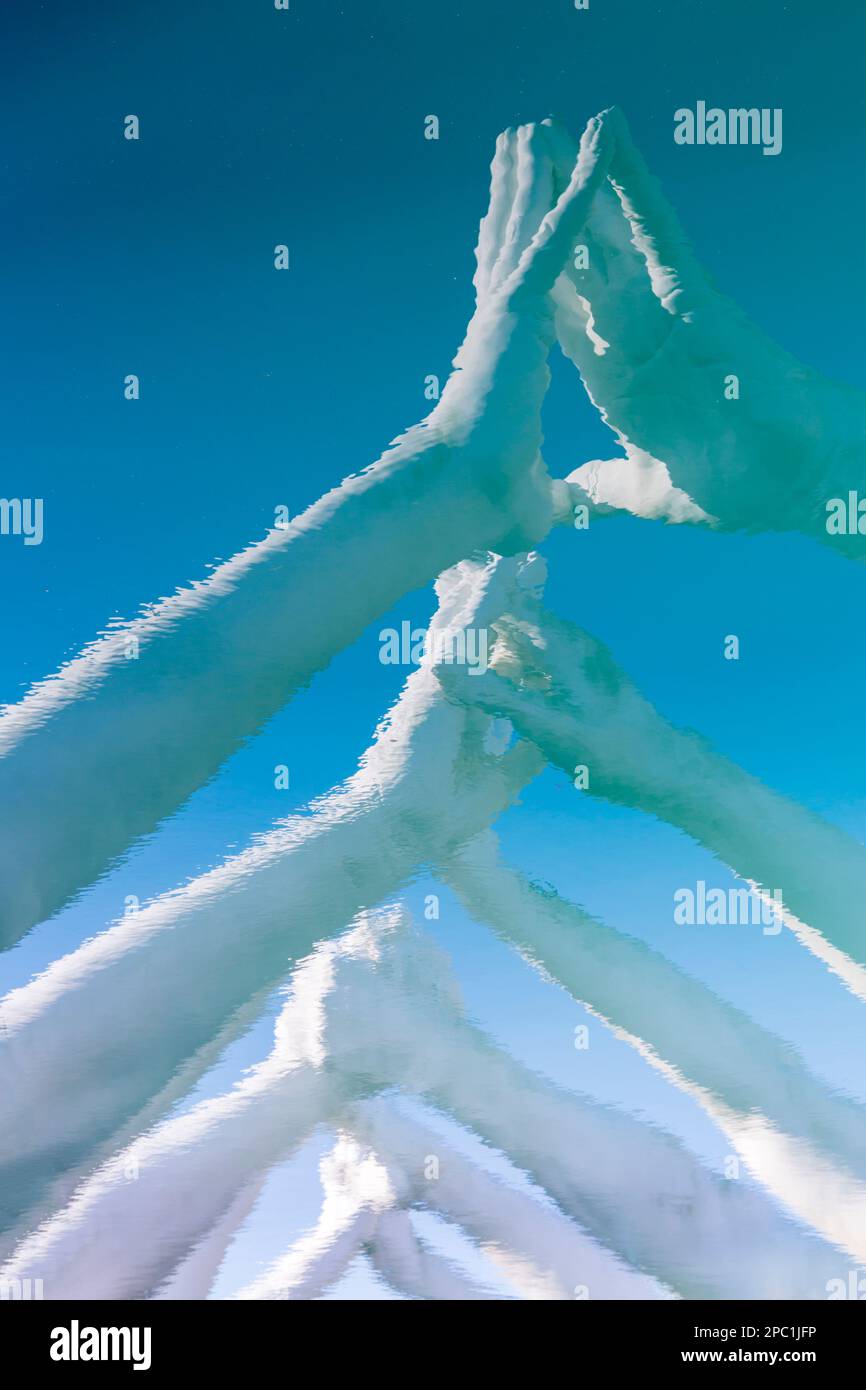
x,y
756,440
144,716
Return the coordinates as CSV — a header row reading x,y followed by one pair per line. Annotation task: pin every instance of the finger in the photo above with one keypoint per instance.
x,y
544,258
611,229
533,198
495,220
637,483
611,278
618,284
676,275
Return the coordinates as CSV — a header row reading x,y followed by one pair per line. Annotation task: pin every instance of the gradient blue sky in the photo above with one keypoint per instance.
x,y
260,389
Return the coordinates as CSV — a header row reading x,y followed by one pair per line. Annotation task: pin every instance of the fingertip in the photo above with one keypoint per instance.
x,y
532,135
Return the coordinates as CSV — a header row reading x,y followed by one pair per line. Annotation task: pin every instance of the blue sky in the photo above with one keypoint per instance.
x,y
260,389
